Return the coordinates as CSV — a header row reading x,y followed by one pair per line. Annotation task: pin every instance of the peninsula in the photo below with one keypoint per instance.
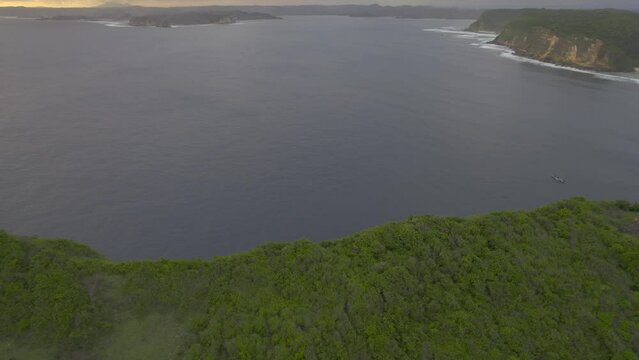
x,y
601,40
197,18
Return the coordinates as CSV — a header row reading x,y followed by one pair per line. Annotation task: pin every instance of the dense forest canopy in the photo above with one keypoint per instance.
x,y
495,20
616,27
600,22
558,282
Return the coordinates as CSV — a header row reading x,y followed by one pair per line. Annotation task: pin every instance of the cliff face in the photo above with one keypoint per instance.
x,y
603,40
577,51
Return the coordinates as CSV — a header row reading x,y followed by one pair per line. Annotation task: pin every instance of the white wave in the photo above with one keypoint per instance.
x,y
201,25
486,38
510,54
461,34
447,31
116,24
215,24
109,23
483,42
19,18
484,35
89,21
190,26
490,46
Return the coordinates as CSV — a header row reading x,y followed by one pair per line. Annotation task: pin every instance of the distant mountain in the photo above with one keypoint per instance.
x,y
105,10
113,4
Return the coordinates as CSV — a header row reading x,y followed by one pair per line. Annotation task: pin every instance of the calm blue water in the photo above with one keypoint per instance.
x,y
202,141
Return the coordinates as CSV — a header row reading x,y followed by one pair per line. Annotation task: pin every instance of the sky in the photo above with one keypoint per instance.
x,y
633,4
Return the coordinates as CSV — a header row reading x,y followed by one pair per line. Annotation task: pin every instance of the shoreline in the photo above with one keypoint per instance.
x,y
509,53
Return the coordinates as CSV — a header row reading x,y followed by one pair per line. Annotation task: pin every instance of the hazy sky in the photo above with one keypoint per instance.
x,y
465,3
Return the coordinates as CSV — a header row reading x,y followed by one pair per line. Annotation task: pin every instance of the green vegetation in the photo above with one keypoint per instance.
x,y
560,282
495,20
197,18
530,31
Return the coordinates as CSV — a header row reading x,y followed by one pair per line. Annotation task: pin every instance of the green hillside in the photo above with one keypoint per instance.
x,y
495,20
559,282
606,40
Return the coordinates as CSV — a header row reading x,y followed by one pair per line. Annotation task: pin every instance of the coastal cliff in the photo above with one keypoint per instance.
x,y
576,51
602,40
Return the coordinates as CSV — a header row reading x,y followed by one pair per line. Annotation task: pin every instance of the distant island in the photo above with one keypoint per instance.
x,y
559,282
124,12
601,40
197,18
163,19
71,18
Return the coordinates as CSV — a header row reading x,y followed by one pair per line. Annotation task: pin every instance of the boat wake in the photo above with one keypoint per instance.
x,y
506,52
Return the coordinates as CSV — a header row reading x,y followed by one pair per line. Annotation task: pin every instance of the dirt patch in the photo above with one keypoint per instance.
x,y
632,228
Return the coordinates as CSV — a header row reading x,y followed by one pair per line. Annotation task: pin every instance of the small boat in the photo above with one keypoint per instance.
x,y
558,179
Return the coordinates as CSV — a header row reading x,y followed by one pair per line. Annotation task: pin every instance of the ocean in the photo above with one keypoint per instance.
x,y
209,140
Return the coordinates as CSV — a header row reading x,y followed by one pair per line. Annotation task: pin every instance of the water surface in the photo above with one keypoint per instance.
x,y
209,140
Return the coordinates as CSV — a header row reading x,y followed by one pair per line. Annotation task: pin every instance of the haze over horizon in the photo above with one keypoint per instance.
x,y
628,4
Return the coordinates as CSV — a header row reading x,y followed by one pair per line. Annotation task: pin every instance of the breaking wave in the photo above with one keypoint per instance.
x,y
486,38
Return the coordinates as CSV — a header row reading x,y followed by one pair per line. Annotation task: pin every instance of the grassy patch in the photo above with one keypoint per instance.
x,y
17,350
155,336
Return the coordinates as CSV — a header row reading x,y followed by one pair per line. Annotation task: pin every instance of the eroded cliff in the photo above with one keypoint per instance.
x,y
571,50
602,40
